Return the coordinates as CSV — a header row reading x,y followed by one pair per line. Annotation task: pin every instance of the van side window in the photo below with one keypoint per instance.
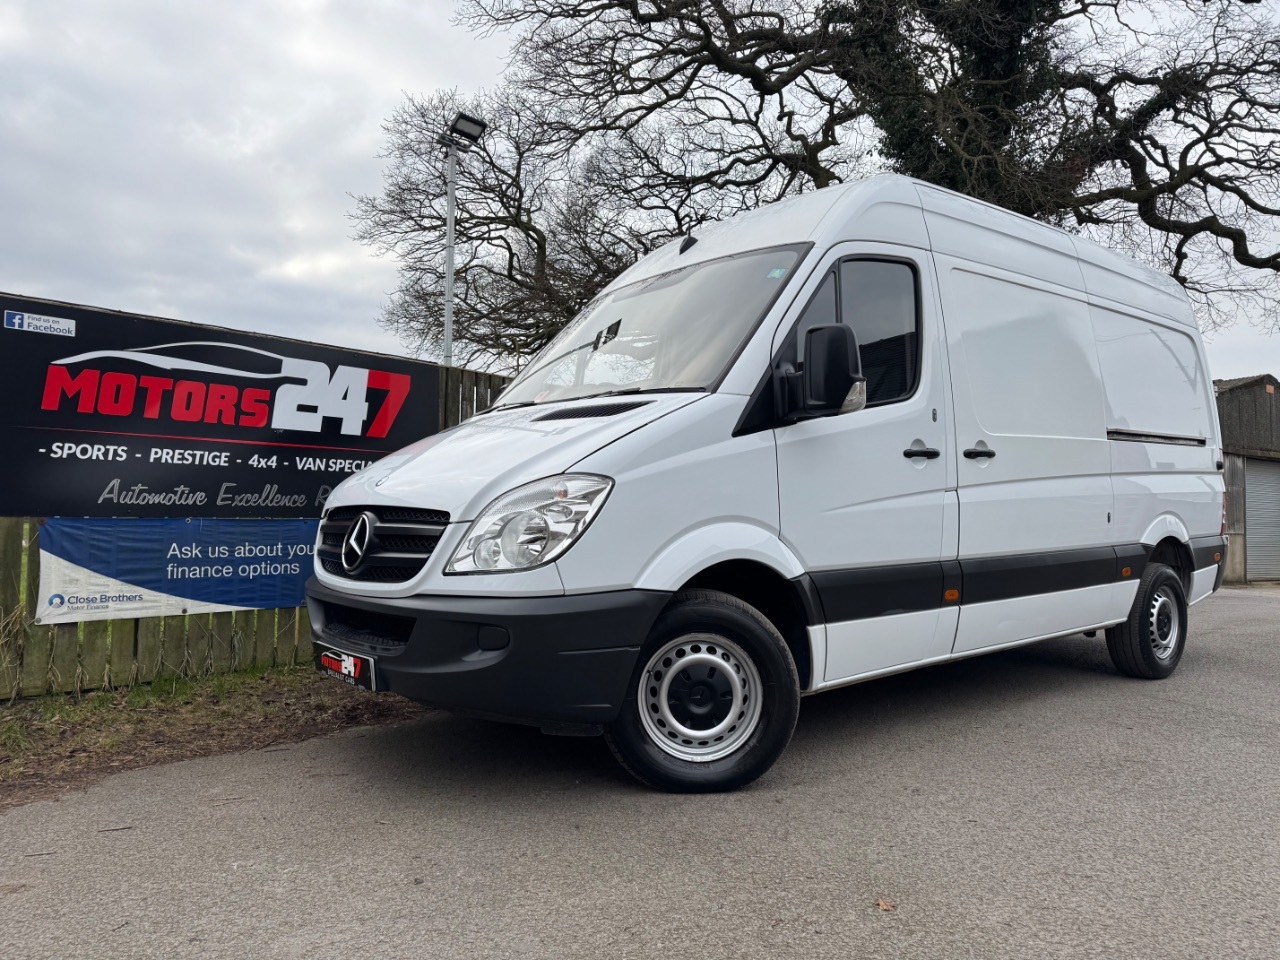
x,y
821,310
878,299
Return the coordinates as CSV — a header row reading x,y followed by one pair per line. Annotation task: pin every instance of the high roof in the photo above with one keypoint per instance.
x,y
892,209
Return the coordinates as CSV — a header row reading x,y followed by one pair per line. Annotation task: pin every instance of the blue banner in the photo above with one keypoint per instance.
x,y
99,569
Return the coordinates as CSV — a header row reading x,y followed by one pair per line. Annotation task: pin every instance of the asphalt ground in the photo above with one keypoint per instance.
x,y
1027,804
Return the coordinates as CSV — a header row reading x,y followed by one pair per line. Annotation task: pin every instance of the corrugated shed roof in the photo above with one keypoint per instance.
x,y
1222,386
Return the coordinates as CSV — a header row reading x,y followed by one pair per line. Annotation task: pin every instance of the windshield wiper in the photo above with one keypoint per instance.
x,y
512,406
632,390
588,396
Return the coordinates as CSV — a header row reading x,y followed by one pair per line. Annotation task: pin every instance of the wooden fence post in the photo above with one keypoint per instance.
x,y
467,404
222,642
94,645
286,636
124,652
12,605
150,648
265,638
304,649
37,651
64,672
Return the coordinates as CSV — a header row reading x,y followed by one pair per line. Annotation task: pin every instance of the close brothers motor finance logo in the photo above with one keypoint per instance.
x,y
190,389
57,601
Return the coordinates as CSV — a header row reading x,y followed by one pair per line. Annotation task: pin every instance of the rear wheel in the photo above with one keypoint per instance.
x,y
714,698
1150,643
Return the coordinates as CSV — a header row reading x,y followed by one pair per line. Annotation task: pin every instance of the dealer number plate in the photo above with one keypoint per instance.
x,y
347,667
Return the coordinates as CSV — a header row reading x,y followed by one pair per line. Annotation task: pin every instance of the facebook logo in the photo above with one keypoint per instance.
x,y
35,323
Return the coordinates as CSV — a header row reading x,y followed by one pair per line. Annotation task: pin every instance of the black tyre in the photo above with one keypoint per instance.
x,y
714,698
1150,643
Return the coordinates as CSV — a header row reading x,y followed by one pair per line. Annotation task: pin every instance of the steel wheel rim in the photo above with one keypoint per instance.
x,y
1164,621
699,697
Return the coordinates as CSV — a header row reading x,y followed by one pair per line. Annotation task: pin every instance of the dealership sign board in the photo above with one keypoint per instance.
x,y
112,569
109,414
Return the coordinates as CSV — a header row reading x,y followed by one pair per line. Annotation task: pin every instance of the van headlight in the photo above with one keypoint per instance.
x,y
531,525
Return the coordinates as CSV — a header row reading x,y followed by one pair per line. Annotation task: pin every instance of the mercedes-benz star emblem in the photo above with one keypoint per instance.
x,y
356,543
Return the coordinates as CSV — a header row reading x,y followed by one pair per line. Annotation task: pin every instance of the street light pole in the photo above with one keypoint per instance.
x,y
461,136
452,177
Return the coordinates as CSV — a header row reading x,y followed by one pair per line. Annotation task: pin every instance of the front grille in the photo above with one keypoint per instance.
x,y
391,514
396,548
366,631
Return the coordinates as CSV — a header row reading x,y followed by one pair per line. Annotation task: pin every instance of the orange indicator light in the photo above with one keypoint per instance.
x,y
951,596
1126,571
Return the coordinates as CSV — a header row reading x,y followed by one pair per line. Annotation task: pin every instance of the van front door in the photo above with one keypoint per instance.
x,y
862,495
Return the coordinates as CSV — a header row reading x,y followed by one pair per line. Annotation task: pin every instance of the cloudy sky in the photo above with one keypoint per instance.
x,y
196,160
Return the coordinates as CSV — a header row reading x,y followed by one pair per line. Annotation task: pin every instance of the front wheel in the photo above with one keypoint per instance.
x,y
714,698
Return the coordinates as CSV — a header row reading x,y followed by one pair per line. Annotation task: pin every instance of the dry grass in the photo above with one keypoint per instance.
x,y
53,744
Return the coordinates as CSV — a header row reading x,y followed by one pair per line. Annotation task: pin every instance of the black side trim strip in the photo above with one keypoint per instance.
x,y
1136,436
868,592
1003,578
952,579
879,591
1203,549
1135,557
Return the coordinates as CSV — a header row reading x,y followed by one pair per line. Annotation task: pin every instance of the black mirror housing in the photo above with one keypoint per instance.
x,y
832,367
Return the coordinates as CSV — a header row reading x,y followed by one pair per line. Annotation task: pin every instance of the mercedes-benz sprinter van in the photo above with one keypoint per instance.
x,y
871,428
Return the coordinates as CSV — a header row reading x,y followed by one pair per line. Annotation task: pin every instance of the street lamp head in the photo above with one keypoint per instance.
x,y
468,128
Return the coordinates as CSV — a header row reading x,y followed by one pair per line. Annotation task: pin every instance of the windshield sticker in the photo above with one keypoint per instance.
x,y
777,273
607,334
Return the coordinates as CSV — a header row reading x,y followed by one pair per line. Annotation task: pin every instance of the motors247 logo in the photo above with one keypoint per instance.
x,y
189,386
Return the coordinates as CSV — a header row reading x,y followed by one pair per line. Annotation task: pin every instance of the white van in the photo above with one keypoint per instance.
x,y
871,428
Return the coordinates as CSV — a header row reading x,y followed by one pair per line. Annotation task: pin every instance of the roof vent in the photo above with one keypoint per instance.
x,y
590,410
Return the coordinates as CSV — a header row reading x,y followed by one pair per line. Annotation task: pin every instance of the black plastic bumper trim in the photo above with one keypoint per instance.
x,y
566,659
1204,548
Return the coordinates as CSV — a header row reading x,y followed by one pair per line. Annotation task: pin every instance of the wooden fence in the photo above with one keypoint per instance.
x,y
75,657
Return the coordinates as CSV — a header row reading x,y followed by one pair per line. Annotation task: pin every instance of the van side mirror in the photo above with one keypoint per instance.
x,y
833,380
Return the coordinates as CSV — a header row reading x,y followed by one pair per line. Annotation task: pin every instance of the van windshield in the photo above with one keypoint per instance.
x,y
675,331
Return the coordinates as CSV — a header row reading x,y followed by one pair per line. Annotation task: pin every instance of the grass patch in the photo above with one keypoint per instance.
x,y
54,743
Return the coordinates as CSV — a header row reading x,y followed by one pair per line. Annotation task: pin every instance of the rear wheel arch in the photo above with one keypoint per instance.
x,y
1175,554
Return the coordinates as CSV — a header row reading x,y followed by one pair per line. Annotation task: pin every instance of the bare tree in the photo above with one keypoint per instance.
x,y
1156,118
548,212
623,123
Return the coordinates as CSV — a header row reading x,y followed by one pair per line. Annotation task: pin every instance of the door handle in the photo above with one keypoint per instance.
x,y
974,453
927,452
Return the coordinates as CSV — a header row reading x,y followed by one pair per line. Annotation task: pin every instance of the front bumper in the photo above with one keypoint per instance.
x,y
541,660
